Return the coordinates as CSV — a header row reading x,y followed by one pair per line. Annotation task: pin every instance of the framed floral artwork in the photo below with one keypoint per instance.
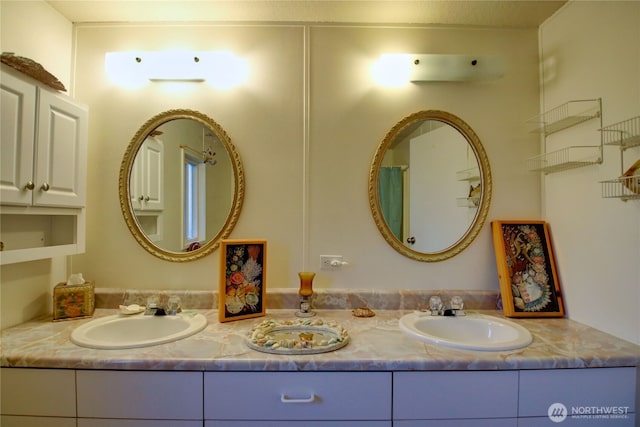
x,y
527,271
242,279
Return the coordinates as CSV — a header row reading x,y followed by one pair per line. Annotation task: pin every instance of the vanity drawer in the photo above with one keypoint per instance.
x,y
103,422
20,421
579,391
455,395
545,421
140,395
38,392
482,422
297,396
368,423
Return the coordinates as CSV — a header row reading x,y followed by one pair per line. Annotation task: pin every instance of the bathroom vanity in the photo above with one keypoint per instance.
x,y
383,377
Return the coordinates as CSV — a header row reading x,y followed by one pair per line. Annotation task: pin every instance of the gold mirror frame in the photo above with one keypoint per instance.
x,y
125,196
485,179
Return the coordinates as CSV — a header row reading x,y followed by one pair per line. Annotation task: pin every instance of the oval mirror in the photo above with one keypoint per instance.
x,y
430,186
181,185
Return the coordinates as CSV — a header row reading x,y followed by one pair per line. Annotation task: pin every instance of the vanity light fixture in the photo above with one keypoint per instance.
x,y
221,69
399,69
392,69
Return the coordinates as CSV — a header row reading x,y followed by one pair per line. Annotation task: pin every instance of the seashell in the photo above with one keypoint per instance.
x,y
306,336
363,312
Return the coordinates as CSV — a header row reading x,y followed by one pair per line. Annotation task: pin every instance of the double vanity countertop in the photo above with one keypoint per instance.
x,y
376,343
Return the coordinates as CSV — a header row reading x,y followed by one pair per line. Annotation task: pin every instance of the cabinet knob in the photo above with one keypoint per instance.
x,y
147,198
45,187
30,185
141,198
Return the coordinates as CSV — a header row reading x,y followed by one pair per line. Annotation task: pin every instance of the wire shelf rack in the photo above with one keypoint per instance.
x,y
566,115
625,188
625,134
567,158
471,174
468,202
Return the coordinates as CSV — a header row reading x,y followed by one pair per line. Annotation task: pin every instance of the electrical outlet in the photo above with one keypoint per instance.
x,y
330,262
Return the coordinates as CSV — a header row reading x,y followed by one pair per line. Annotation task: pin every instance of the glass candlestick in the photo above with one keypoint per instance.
x,y
305,292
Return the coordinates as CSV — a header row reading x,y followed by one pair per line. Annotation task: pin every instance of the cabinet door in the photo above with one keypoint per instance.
x,y
153,179
17,110
135,183
304,423
143,395
20,421
327,396
38,392
101,422
481,422
600,421
572,397
147,176
455,395
61,151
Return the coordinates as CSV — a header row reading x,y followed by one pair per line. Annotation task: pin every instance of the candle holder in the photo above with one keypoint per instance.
x,y
306,292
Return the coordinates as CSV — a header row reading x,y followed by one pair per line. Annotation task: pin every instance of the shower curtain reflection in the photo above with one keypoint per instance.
x,y
391,198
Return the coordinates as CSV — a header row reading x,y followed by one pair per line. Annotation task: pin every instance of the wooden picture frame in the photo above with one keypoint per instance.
x,y
243,269
527,271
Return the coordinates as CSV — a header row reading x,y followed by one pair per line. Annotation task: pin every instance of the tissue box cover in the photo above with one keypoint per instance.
x,y
73,301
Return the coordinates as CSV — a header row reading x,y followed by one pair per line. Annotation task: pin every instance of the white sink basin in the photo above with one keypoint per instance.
x,y
471,332
121,331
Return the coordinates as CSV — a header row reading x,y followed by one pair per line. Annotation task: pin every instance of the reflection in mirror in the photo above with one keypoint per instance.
x,y
181,185
430,186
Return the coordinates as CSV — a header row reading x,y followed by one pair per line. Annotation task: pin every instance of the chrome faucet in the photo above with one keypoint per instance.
x,y
455,307
171,308
436,305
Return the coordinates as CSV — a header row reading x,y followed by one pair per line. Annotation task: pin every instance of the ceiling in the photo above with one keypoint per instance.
x,y
497,13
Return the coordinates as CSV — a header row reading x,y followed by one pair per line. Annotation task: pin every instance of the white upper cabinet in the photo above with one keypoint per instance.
x,y
146,186
43,170
18,112
44,145
61,162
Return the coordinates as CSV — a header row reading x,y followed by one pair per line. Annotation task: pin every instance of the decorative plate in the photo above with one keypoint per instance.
x,y
32,69
298,336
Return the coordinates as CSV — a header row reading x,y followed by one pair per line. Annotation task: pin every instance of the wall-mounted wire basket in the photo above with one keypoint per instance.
x,y
567,158
625,188
566,115
625,134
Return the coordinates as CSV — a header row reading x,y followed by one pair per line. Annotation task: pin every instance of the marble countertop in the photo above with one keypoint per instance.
x,y
376,344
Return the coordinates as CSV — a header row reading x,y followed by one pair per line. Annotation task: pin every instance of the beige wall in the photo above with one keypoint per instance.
x,y
26,288
307,125
350,116
592,51
22,33
263,119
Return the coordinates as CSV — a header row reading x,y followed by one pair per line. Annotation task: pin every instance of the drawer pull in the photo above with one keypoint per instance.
x,y
288,399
